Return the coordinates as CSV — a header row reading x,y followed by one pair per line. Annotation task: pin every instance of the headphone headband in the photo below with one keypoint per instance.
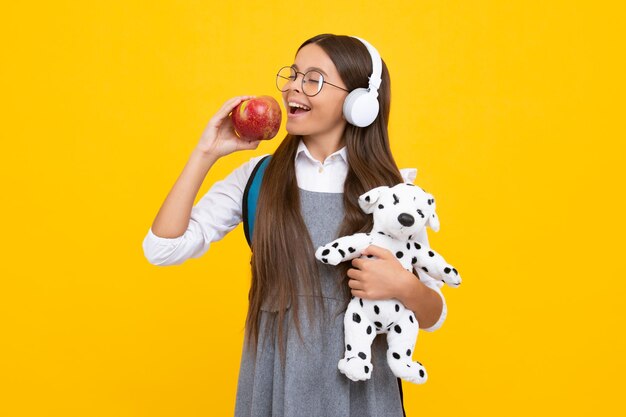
x,y
377,66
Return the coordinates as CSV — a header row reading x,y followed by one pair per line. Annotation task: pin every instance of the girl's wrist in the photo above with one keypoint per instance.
x,y
410,288
204,156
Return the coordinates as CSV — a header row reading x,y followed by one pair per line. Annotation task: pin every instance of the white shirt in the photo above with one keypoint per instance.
x,y
220,210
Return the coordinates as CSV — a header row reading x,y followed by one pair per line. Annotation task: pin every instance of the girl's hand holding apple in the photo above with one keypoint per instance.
x,y
219,137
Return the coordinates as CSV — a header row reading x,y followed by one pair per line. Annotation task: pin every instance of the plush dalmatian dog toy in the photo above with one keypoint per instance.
x,y
400,212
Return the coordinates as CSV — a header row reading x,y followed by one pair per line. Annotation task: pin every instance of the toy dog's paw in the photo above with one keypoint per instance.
x,y
355,368
409,371
451,276
328,255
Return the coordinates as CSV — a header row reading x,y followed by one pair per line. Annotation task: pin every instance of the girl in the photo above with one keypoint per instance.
x,y
294,328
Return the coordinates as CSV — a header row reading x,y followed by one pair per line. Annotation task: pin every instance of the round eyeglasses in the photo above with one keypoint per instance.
x,y
312,80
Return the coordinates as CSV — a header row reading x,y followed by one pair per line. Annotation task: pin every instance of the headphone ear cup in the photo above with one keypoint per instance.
x,y
360,107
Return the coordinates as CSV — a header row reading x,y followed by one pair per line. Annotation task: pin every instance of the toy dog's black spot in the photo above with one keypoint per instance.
x,y
356,318
325,260
367,198
456,273
424,268
351,249
446,270
422,373
395,355
431,253
376,310
399,254
420,213
381,233
417,245
325,252
397,308
349,347
408,245
369,330
343,254
378,324
408,352
380,206
335,244
362,355
367,369
398,329
414,260
395,200
411,318
361,302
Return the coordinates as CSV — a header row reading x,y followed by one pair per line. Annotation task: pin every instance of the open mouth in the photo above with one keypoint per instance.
x,y
297,108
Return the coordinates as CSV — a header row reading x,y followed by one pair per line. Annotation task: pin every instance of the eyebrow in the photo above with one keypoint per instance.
x,y
312,68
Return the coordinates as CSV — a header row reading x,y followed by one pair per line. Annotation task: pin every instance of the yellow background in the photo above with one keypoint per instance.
x,y
509,109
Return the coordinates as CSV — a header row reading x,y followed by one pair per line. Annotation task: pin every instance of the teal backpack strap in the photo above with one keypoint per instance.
x,y
251,196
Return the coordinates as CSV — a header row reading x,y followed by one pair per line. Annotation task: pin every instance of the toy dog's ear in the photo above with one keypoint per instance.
x,y
433,220
368,200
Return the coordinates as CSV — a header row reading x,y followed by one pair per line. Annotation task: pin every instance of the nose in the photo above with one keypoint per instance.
x,y
294,85
406,219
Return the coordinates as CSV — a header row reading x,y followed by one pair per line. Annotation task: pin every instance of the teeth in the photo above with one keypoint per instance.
x,y
298,105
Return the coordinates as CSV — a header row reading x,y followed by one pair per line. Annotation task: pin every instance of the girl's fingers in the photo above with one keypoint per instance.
x,y
250,145
230,105
378,252
222,114
226,123
353,273
358,293
357,263
355,285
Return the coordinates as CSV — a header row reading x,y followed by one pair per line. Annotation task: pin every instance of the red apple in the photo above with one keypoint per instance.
x,y
257,118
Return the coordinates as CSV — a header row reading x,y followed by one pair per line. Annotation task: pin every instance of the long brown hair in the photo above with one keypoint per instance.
x,y
283,261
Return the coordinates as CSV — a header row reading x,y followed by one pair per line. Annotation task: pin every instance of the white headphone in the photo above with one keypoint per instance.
x,y
361,106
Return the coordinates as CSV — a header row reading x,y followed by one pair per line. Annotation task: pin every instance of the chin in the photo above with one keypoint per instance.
x,y
296,130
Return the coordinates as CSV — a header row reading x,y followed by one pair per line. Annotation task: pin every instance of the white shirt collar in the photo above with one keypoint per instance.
x,y
303,149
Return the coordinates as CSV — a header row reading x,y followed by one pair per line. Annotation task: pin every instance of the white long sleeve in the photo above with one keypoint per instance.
x,y
219,211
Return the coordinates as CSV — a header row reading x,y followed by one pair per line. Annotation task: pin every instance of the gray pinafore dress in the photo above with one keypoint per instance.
x,y
310,385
